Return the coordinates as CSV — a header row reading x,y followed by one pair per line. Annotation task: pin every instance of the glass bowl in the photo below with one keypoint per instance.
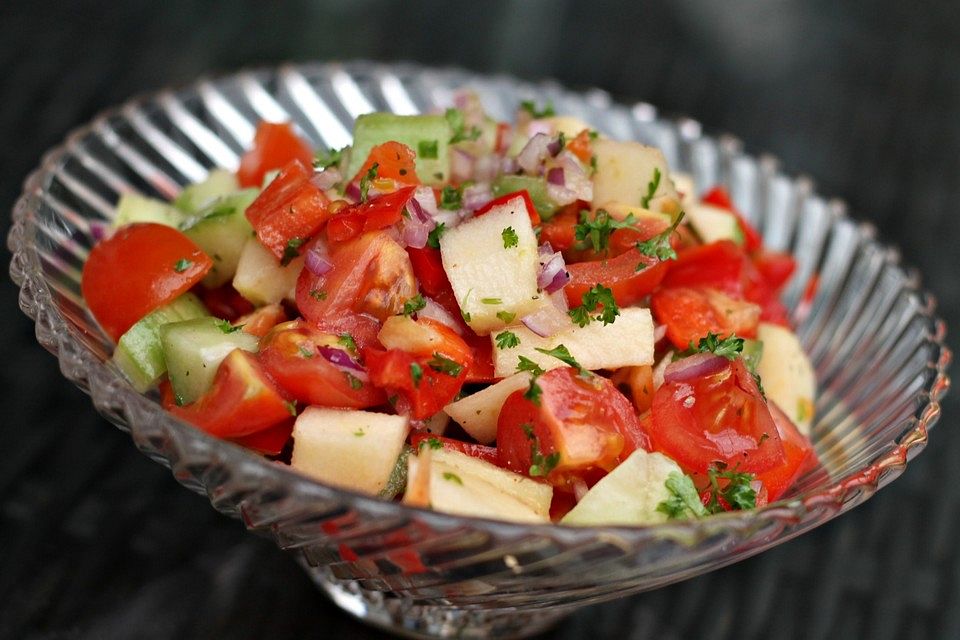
x,y
871,333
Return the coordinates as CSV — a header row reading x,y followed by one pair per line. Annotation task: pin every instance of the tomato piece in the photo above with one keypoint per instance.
x,y
242,400
274,145
428,268
719,265
719,197
421,389
472,449
619,274
638,382
720,417
580,146
560,230
395,161
504,199
690,314
260,322
139,268
225,302
775,267
481,367
798,451
289,211
378,213
585,424
269,442
371,274
290,354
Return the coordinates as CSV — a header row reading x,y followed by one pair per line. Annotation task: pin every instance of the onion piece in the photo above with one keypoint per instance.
x,y
576,184
342,360
317,263
509,166
580,488
659,332
534,153
462,165
553,274
555,177
419,222
550,319
100,230
696,366
353,192
434,311
326,179
477,195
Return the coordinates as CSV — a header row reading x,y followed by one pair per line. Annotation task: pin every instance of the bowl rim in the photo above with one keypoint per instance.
x,y
95,377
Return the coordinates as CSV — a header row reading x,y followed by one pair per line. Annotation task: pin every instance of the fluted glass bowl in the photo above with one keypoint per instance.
x,y
871,333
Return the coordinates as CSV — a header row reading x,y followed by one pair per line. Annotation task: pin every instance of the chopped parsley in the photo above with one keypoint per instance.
x,y
526,364
506,316
534,392
346,341
292,250
452,477
359,433
597,295
540,465
304,352
510,238
593,165
226,327
451,198
414,304
318,294
736,492
433,443
443,364
531,107
652,187
365,180
291,407
659,245
182,265
427,149
355,382
598,230
416,372
730,347
460,132
561,353
433,238
327,158
684,500
507,340
491,300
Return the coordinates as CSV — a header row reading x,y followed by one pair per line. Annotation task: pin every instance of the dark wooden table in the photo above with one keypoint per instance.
x,y
97,542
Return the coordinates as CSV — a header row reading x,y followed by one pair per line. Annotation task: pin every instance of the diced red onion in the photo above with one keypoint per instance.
x,y
756,485
550,319
469,103
554,148
580,488
419,222
659,332
534,153
434,311
487,167
327,178
476,195
509,166
317,263
426,200
536,127
553,273
462,165
575,185
555,176
416,232
353,192
695,366
342,360
100,230
545,249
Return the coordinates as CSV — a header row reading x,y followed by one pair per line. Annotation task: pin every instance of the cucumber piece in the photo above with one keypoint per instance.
x,y
535,187
134,207
139,354
221,229
193,349
261,279
397,481
195,197
713,223
376,128
752,353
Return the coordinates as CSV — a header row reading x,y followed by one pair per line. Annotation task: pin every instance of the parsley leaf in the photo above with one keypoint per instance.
x,y
531,107
365,180
323,159
182,265
433,238
729,347
433,443
534,392
451,198
318,294
561,353
599,229
416,372
355,382
507,340
305,352
452,477
597,295
506,316
427,149
659,245
491,300
736,491
291,406
226,327
346,340
684,501
540,465
414,304
460,132
652,187
292,251
526,364
443,364
510,238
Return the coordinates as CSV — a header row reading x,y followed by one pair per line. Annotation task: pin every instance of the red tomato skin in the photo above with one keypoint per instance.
x,y
274,145
428,268
242,400
291,208
260,322
269,442
507,197
225,302
689,315
775,267
587,421
560,230
289,354
719,197
798,451
619,274
392,371
395,161
134,272
378,213
720,265
472,449
721,417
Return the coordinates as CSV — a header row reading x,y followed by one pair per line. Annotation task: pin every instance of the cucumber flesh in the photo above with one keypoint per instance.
x,y
139,354
195,197
535,187
193,349
133,207
376,128
752,353
221,229
397,481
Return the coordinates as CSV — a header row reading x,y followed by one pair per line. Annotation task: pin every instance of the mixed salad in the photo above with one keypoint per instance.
x,y
526,321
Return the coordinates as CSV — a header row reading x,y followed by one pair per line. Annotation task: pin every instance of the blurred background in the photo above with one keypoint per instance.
x,y
96,541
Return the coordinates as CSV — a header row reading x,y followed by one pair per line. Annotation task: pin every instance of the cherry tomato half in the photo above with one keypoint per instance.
x,y
274,145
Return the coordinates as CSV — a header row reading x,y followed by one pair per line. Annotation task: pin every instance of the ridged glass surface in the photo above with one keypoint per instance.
x,y
872,335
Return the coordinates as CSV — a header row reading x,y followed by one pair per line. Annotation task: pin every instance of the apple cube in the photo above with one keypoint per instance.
x,y
624,171
478,413
626,342
351,449
492,264
713,223
261,279
787,375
